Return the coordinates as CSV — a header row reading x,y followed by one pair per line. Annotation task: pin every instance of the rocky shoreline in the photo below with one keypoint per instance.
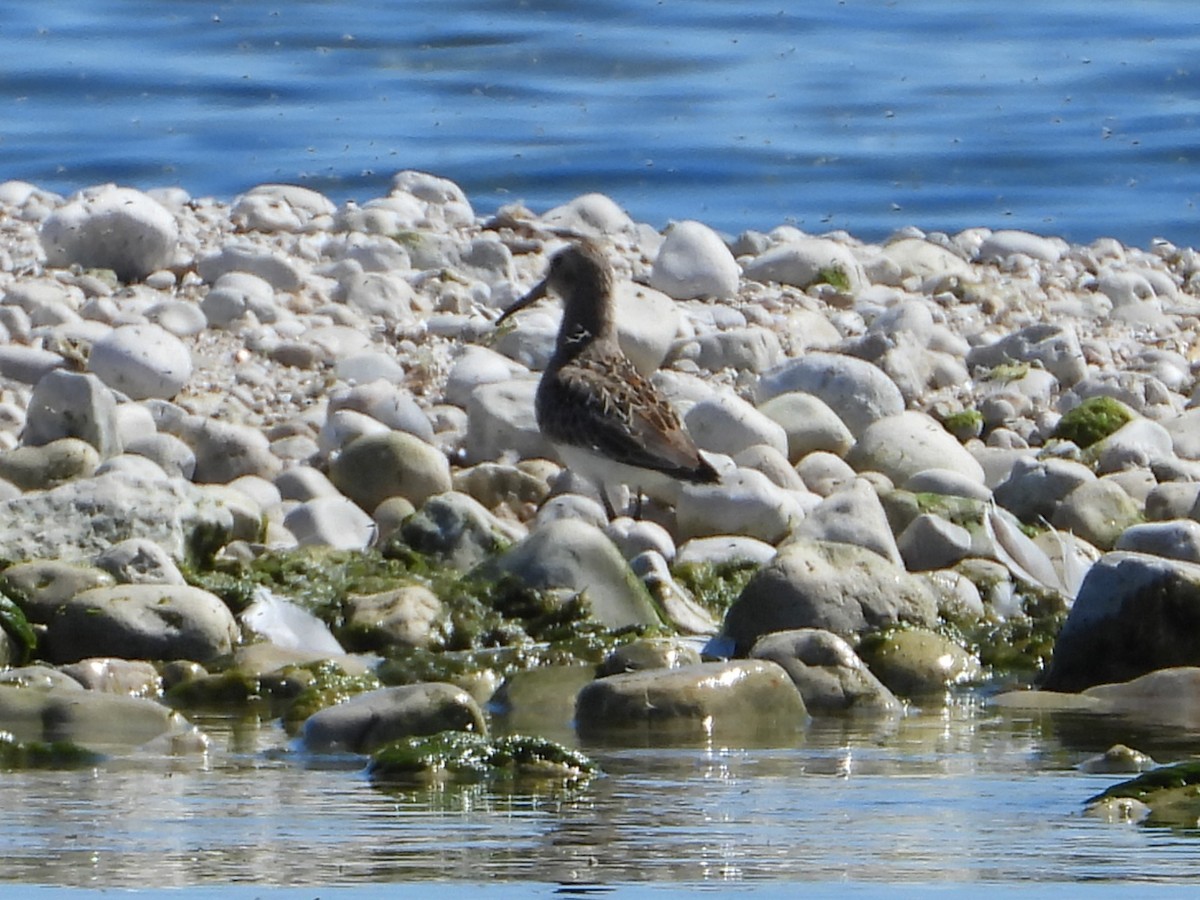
x,y
934,451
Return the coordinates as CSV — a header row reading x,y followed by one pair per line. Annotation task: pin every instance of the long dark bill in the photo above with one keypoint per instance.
x,y
537,293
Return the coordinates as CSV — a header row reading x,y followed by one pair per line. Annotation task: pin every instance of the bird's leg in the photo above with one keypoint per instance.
x,y
637,504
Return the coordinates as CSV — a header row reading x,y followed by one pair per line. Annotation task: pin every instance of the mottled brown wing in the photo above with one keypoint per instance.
x,y
604,405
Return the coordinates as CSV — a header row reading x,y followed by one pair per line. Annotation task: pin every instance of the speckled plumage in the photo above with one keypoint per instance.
x,y
591,398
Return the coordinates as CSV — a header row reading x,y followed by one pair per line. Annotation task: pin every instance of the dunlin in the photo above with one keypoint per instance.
x,y
607,422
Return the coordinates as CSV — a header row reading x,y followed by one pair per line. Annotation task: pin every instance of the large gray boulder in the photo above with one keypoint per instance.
x,y
98,721
827,672
841,588
1134,613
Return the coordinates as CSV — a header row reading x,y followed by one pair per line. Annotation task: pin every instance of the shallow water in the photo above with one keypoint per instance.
x,y
1073,117
947,797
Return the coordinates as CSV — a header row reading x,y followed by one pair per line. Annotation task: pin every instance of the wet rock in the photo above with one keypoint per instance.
x,y
41,586
842,588
572,557
73,405
746,698
108,227
860,392
915,661
98,721
1134,613
140,621
694,262
458,530
676,603
827,672
392,464
1117,759
648,653
541,700
368,721
133,678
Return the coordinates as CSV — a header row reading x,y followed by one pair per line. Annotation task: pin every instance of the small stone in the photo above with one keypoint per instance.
x,y
72,404
393,464
828,673
914,661
744,502
38,468
406,617
860,393
1176,539
803,262
331,522
809,424
139,561
368,721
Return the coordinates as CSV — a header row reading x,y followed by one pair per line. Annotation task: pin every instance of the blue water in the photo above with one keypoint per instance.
x,y
1065,117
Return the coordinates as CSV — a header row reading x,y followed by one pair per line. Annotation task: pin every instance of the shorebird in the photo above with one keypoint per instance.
x,y
606,421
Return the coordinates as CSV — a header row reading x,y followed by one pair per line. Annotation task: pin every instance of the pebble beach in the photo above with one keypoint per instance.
x,y
935,430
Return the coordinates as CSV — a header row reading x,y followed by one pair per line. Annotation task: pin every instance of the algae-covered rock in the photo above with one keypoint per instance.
x,y
742,699
16,754
1092,420
94,720
1168,796
827,672
466,757
649,653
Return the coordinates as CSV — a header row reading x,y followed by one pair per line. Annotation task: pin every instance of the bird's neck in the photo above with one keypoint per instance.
x,y
584,325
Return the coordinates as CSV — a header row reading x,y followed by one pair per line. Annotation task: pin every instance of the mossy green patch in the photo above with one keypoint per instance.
x,y
16,754
1006,372
1020,644
715,585
834,276
330,685
456,756
1092,420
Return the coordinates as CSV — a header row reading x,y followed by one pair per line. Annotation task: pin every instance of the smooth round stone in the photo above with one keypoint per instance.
x,y
497,484
384,294
1176,539
45,584
236,293
134,678
824,473
139,561
635,536
852,515
28,365
931,542
1137,443
771,463
803,262
947,483
261,492
693,262
809,424
1000,245
722,549
860,392
345,426
1172,500
902,445
280,271
387,403
109,227
141,621
364,368
475,366
748,349
142,361
390,516
725,423
73,404
373,719
435,191
99,721
282,208
647,325
330,522
132,466
745,502
1098,511
177,317
304,483
38,468
171,454
569,556
648,653
570,505
590,215
393,464
915,661
500,420
828,673
1034,488
458,530
225,451
919,258
842,588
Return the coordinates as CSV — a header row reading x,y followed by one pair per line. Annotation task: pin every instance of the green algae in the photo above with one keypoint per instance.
x,y
463,757
329,685
1005,373
14,623
16,754
1170,794
1020,644
1092,420
715,585
834,276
